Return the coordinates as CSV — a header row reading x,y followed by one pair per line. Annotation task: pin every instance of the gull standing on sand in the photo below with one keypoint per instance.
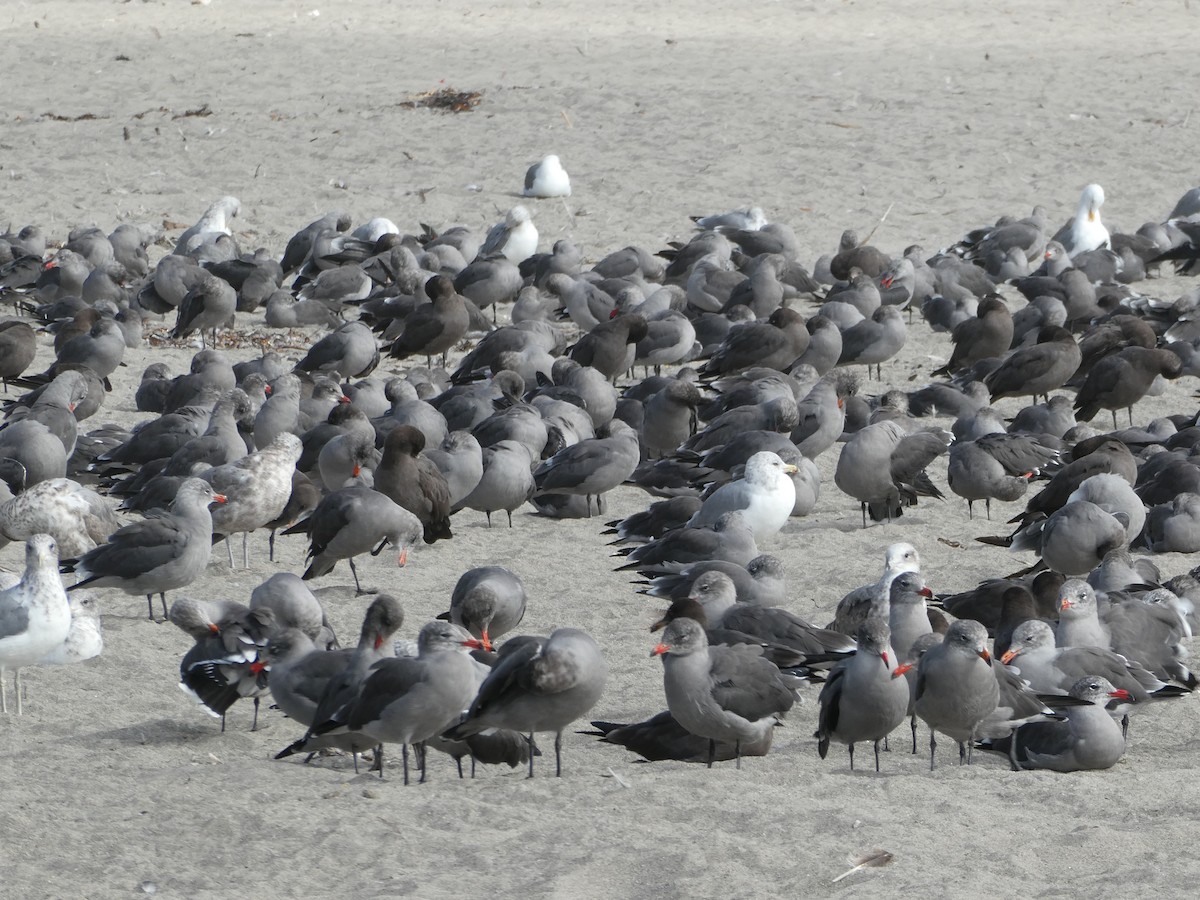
x,y
352,521
315,690
865,697
165,551
35,616
547,179
956,689
538,684
722,693
407,700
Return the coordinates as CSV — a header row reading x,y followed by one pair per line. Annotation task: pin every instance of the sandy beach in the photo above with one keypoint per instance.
x,y
931,117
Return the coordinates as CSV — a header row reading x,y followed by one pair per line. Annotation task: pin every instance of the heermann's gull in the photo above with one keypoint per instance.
x,y
884,468
1074,539
730,538
302,500
773,344
1036,370
956,689
990,333
460,460
765,496
414,482
506,482
85,639
654,521
335,681
164,552
256,489
609,347
873,341
436,327
865,697
761,581
1122,379
1091,457
280,412
871,260
349,352
18,347
1088,739
35,616
352,521
1174,527
1150,634
538,684
856,606
294,606
547,179
1053,670
669,339
717,596
409,700
976,473
488,601
662,738
723,693
209,305
592,467
225,664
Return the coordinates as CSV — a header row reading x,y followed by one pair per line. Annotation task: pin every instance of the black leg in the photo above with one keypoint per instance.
x,y
163,598
271,545
508,512
852,757
877,756
150,604
358,591
962,753
404,753
932,749
1125,727
864,513
488,513
558,754
254,724
530,775
458,762
737,754
419,749
912,721
712,751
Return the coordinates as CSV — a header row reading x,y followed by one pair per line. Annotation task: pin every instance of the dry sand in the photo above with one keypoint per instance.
x,y
826,114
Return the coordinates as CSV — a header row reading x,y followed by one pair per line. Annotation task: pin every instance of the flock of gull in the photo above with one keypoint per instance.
x,y
758,369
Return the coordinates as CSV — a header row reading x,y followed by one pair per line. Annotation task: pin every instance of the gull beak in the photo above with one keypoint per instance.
x,y
1009,656
660,649
900,670
985,656
790,469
